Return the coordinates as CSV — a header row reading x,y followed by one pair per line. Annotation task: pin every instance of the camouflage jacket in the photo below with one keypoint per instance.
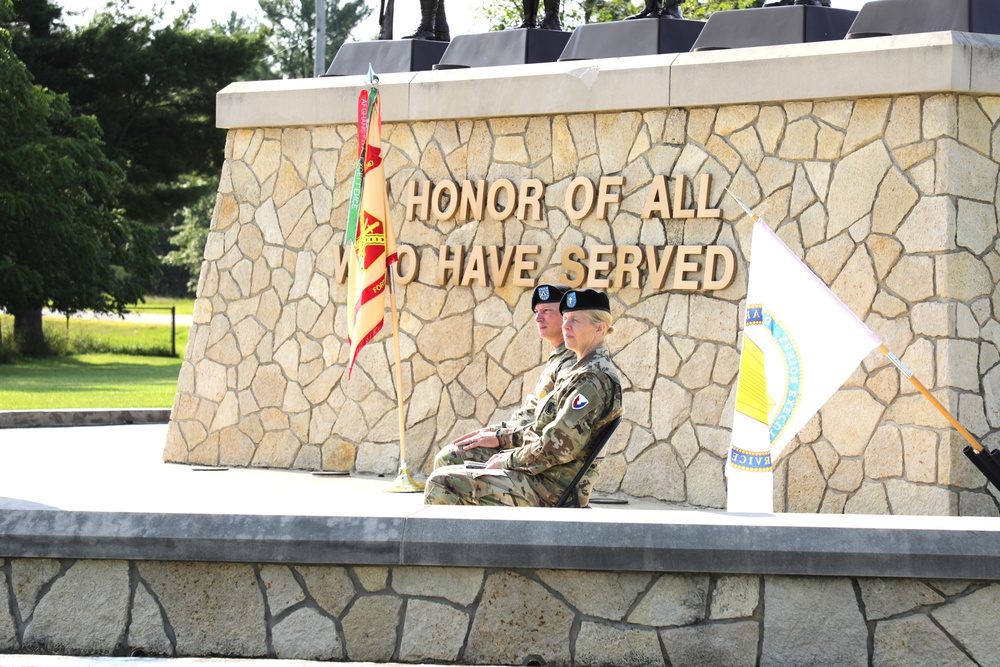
x,y
586,397
512,429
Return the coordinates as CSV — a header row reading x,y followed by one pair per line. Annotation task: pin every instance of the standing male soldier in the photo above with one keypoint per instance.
x,y
482,444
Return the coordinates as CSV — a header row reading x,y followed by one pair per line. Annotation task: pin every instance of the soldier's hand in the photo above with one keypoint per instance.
x,y
494,462
484,438
463,440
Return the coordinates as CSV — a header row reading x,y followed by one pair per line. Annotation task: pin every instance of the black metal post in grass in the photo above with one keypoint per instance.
x,y
173,323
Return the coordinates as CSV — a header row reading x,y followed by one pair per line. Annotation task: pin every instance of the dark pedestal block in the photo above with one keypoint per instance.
x,y
770,26
904,17
506,47
398,55
638,37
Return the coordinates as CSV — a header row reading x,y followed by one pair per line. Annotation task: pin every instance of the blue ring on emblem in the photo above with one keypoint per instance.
x,y
571,300
793,375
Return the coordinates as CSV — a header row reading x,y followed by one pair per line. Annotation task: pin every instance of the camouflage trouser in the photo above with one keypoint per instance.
x,y
458,485
454,456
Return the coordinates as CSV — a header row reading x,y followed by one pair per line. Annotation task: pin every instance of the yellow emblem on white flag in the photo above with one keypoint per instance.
x,y
800,344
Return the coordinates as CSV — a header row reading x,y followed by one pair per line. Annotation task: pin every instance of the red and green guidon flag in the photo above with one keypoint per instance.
x,y
373,244
366,100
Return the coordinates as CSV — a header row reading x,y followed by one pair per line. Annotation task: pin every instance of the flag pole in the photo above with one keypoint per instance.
x,y
936,403
404,483
988,462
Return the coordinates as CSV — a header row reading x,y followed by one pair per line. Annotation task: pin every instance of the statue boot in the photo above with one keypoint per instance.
x,y
426,28
672,9
651,11
551,19
441,31
530,14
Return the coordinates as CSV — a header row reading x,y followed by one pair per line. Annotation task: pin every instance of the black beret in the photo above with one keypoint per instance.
x,y
584,299
548,294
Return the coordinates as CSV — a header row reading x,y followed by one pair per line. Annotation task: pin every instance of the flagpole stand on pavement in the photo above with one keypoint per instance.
x,y
404,483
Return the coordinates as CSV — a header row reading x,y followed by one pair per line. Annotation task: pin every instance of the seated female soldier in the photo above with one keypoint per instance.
x,y
586,397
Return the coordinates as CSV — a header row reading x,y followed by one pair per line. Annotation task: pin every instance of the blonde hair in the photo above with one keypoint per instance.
x,y
599,316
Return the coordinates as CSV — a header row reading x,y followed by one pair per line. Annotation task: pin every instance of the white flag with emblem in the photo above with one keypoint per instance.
x,y
800,344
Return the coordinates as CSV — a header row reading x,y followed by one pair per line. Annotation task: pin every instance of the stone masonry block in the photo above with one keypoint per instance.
x,y
799,631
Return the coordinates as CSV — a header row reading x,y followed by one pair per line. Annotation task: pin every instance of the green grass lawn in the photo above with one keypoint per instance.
x,y
183,306
114,365
118,337
108,336
89,381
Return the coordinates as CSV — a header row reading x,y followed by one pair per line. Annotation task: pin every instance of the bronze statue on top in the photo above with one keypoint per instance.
x,y
550,21
433,24
657,9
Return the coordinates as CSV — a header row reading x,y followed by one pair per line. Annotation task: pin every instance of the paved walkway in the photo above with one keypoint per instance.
x,y
121,468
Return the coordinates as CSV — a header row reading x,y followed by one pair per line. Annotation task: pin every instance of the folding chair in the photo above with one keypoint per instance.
x,y
595,452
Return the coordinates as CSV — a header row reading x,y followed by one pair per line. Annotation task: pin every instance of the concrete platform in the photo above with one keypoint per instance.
x,y
104,493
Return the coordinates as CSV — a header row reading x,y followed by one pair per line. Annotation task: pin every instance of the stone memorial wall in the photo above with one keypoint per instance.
x,y
891,199
488,616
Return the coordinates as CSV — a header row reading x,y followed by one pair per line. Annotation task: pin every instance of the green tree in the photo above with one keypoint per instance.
x,y
702,9
508,13
66,244
190,231
503,14
152,90
293,32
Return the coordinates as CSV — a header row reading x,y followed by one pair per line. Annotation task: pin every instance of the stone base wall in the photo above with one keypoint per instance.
x,y
489,616
891,201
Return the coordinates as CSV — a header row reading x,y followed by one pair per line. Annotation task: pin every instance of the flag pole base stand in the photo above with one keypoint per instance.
x,y
404,483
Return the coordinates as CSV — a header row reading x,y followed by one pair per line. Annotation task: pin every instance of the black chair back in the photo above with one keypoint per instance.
x,y
595,452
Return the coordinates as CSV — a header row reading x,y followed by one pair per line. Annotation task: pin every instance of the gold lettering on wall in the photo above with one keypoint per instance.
x,y
713,254
407,258
628,263
657,199
475,268
442,189
499,269
452,264
475,200
523,265
598,265
703,191
577,184
530,197
691,267
575,271
605,197
685,265
418,196
679,189
658,267
504,186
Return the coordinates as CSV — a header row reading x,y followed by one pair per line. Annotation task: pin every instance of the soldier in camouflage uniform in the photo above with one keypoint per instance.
x,y
586,397
482,444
